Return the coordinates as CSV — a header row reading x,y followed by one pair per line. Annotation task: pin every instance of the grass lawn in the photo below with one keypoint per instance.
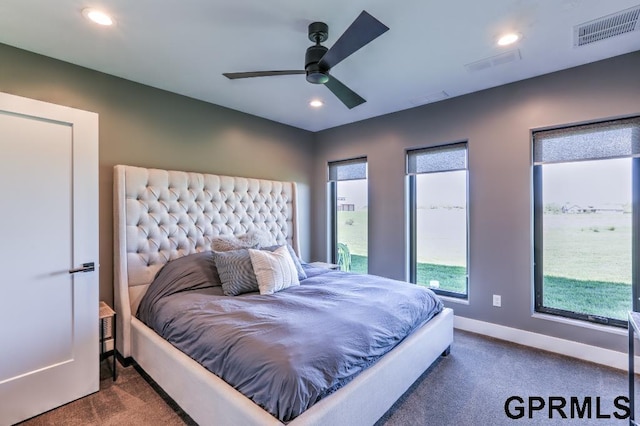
x,y
601,298
451,278
588,246
589,297
352,230
587,259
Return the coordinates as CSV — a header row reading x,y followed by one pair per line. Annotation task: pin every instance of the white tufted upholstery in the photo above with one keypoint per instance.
x,y
161,215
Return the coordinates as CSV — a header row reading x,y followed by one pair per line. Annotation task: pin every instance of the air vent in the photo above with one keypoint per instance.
x,y
607,27
503,58
433,97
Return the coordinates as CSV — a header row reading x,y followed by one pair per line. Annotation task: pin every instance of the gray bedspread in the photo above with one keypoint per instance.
x,y
288,350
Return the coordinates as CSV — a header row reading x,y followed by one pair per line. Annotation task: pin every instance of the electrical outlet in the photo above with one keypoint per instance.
x,y
497,300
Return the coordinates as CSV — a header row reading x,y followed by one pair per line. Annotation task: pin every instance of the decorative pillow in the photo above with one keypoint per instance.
x,y
294,257
223,243
274,271
255,238
236,272
296,262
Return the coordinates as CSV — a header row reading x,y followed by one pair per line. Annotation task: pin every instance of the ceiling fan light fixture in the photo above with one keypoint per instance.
x,y
317,77
97,16
508,39
316,103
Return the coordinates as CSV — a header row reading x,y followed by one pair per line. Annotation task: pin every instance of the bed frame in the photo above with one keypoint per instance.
x,y
161,215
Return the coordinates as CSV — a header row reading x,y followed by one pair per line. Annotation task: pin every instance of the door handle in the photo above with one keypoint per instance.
x,y
86,267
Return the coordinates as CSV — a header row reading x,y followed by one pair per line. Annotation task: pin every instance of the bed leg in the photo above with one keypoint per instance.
x,y
447,351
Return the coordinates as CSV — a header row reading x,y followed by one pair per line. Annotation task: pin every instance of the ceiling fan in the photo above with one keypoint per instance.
x,y
319,60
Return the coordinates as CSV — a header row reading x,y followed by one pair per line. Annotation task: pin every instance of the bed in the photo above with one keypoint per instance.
x,y
162,215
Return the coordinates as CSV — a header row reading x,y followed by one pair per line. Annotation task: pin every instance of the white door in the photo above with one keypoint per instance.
x,y
48,226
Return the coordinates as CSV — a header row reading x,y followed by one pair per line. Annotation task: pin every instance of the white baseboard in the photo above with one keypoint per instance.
x,y
570,348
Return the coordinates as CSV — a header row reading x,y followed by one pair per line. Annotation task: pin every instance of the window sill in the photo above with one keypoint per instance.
x,y
454,300
584,324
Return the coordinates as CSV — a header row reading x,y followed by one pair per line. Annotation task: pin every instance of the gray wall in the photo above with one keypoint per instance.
x,y
140,125
497,124
143,126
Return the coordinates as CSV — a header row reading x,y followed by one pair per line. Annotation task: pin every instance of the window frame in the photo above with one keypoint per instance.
x,y
333,202
538,230
412,257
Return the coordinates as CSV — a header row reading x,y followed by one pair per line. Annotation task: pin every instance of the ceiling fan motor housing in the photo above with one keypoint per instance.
x,y
318,32
315,73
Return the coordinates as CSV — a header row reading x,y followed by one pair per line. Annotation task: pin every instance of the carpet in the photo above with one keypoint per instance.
x,y
468,387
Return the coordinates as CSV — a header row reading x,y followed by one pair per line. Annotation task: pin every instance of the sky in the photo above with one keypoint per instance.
x,y
446,189
582,183
588,182
354,192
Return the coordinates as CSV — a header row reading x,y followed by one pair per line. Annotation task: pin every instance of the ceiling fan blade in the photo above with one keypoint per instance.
x,y
348,97
234,75
363,30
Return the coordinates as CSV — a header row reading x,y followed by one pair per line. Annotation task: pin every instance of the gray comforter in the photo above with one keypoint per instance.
x,y
287,350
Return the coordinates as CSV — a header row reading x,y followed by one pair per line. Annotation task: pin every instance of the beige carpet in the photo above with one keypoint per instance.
x,y
468,388
131,400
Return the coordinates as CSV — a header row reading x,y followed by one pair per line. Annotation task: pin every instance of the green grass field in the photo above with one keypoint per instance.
x,y
588,246
587,261
601,298
352,230
451,278
607,299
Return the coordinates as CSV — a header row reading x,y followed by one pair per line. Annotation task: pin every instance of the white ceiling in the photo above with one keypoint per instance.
x,y
184,46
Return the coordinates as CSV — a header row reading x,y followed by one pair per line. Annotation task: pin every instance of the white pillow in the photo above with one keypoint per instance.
x,y
275,270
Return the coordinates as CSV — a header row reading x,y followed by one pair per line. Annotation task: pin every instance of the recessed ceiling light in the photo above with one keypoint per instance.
x,y
316,103
97,16
508,39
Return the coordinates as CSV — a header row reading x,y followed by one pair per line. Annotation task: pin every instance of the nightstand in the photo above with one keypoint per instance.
x,y
105,313
325,265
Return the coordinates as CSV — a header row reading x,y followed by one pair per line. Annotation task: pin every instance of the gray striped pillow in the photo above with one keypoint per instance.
x,y
236,272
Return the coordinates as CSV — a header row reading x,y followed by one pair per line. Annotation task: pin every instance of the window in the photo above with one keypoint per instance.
x,y
586,181
349,214
438,218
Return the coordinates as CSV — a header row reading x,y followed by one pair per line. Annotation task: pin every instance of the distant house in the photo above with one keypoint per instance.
x,y
577,209
590,209
345,207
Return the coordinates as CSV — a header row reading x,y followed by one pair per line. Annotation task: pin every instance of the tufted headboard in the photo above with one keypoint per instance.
x,y
160,215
